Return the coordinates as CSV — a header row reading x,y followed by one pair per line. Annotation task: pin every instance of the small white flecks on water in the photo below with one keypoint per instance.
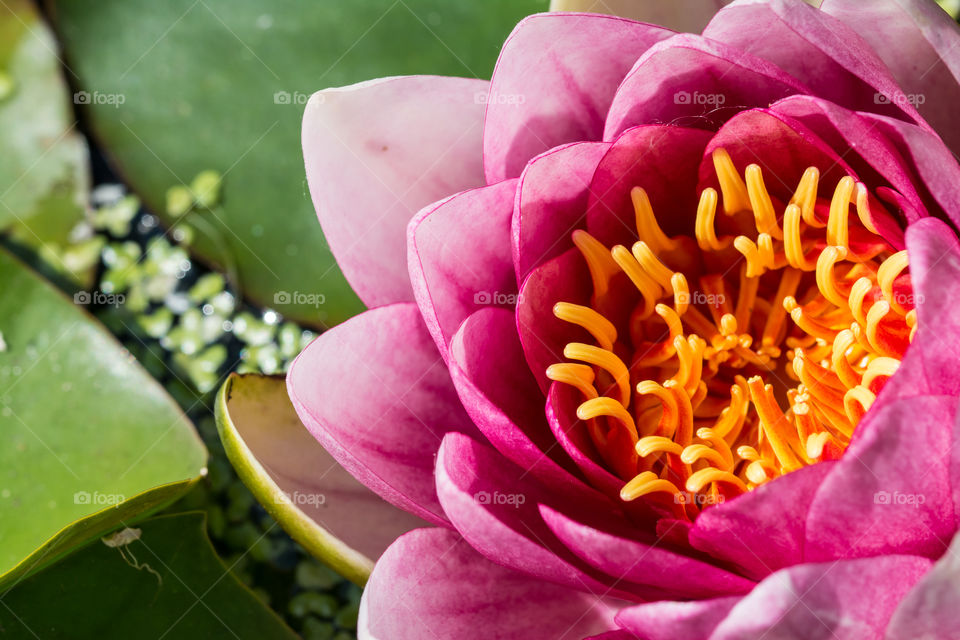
x,y
3,344
265,21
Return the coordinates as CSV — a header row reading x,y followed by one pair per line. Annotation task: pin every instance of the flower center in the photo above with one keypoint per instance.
x,y
693,395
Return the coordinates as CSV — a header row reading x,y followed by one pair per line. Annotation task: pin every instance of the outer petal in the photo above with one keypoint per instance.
x,y
920,44
431,584
553,84
892,492
671,620
763,530
681,15
846,599
459,258
929,610
551,203
692,81
817,49
375,393
377,152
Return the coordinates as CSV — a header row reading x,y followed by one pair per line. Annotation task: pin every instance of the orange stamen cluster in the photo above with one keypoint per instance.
x,y
796,322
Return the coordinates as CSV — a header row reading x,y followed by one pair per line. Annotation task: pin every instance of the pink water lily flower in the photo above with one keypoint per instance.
x,y
663,330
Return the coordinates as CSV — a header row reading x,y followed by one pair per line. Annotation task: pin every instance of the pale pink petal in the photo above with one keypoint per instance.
x,y
553,84
376,153
431,584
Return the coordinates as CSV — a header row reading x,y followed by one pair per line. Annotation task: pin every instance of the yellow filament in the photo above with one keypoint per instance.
x,y
647,226
576,375
605,360
889,271
764,215
837,229
806,196
706,217
734,191
599,327
601,266
603,406
652,265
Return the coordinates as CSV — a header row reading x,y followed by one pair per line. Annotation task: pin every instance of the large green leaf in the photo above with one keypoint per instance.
x,y
165,582
44,164
88,439
221,84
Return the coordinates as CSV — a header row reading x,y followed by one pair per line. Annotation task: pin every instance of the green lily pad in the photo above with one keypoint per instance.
x,y
44,167
88,440
159,579
180,87
320,505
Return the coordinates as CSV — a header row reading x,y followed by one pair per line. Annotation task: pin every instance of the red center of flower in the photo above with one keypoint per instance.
x,y
767,365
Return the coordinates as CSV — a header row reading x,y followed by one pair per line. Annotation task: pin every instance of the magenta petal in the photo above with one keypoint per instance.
x,y
930,609
930,159
892,491
431,584
493,504
764,530
845,599
692,81
459,258
646,563
820,51
501,396
552,202
553,84
375,393
672,620
376,153
661,159
920,43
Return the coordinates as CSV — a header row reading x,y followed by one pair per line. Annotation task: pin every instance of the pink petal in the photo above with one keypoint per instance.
x,y
692,81
493,504
845,599
763,530
820,51
377,396
920,44
643,560
375,153
892,491
671,620
929,610
552,202
431,584
682,15
459,258
553,84
501,396
662,159
934,164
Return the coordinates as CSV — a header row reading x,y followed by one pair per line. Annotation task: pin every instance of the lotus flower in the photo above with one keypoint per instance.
x,y
662,339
